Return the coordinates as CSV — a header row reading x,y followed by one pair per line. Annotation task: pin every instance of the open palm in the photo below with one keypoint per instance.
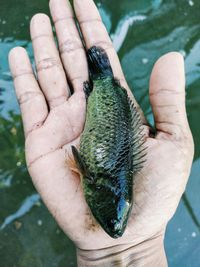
x,y
54,116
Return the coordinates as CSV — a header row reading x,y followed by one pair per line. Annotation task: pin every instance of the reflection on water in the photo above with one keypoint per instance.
x,y
183,233
190,210
122,29
141,31
26,206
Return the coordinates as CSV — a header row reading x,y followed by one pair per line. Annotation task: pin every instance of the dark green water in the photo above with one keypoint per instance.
x,y
142,30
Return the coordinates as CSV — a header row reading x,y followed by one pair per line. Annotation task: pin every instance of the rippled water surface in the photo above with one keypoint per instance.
x,y
141,31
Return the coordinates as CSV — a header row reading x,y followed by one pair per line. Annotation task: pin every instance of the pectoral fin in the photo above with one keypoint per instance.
x,y
81,165
79,160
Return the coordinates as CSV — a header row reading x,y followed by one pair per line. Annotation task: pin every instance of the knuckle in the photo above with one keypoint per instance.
x,y
57,101
106,45
70,45
27,96
22,74
91,20
167,92
48,63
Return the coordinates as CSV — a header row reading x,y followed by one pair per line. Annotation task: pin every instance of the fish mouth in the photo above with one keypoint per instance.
x,y
116,234
113,218
114,228
110,210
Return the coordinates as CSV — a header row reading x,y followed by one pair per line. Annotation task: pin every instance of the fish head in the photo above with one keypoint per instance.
x,y
110,205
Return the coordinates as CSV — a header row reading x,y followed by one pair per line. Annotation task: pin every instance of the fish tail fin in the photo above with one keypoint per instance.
x,y
99,64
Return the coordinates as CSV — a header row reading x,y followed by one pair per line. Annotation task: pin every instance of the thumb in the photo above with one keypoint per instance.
x,y
167,96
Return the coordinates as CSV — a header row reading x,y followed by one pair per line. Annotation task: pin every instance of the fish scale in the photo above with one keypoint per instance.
x,y
115,117
111,147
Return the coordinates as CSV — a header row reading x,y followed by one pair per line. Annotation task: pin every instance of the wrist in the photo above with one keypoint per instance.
x,y
149,253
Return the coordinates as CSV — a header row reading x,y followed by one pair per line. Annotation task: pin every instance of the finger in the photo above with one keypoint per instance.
x,y
95,34
51,75
70,45
167,94
32,102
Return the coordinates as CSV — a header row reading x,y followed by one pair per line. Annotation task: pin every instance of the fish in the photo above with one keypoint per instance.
x,y
112,146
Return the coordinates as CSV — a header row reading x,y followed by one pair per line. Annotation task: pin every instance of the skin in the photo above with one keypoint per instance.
x,y
53,120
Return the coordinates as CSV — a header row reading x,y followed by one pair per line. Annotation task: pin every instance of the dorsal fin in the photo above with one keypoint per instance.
x,y
138,138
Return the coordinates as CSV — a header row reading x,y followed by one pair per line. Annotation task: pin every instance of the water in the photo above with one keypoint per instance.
x,y
141,31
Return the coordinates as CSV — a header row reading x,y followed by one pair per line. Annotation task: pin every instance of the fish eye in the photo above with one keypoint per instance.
x,y
99,187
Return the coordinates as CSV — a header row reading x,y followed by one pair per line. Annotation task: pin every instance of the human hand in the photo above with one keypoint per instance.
x,y
53,120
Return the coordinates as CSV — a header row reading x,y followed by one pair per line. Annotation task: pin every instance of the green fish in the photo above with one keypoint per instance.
x,y
111,147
